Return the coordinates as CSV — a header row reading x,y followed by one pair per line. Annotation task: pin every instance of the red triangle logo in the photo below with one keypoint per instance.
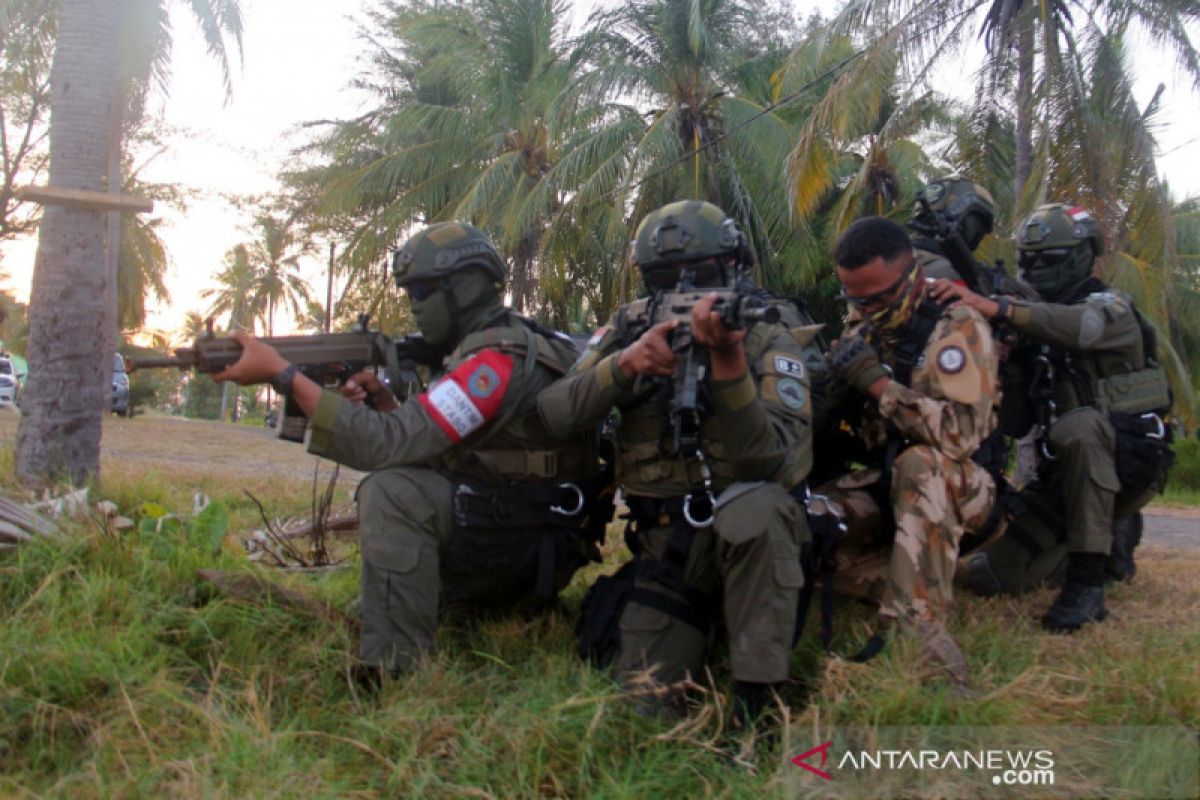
x,y
823,749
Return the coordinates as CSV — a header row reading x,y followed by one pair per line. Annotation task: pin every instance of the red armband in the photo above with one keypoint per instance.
x,y
469,396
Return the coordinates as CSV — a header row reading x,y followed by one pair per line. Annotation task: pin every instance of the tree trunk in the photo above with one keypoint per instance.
x,y
69,375
1024,166
112,239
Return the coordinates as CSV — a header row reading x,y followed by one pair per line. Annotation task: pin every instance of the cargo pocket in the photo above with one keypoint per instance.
x,y
788,574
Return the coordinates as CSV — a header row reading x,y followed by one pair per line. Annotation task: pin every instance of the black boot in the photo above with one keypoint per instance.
x,y
749,700
1082,598
1127,535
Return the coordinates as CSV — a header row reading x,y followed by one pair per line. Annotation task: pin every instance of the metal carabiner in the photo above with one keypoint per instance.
x,y
696,523
1161,433
579,501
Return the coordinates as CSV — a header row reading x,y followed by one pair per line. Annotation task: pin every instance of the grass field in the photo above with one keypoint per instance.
x,y
121,675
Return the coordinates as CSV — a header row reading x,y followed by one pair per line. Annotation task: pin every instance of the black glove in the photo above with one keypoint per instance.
x,y
856,363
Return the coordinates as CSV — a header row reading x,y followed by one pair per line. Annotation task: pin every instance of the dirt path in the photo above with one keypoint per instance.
x,y
1173,527
175,443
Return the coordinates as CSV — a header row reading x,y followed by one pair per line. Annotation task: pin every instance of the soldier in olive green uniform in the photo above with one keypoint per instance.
x,y
470,497
736,559
1102,396
926,381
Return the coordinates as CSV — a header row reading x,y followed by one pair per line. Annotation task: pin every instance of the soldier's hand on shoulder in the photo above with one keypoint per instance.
x,y
944,290
258,363
651,354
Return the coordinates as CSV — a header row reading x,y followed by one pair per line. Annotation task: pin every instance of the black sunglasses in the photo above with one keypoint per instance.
x,y
1049,257
883,296
421,290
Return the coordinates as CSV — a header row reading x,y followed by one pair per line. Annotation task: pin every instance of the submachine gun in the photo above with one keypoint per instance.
x,y
739,307
326,358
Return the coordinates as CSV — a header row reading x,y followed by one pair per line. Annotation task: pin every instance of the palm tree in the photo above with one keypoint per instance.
x,y
704,70
466,128
73,304
274,259
235,287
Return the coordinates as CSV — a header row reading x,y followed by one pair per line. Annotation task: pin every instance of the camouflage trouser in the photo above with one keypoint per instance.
x,y
934,500
1084,446
406,526
750,560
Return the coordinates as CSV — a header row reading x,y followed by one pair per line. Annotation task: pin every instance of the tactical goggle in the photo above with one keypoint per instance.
x,y
422,290
665,278
1050,257
884,297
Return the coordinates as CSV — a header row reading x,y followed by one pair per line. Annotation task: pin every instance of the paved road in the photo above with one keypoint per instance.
x,y
1173,527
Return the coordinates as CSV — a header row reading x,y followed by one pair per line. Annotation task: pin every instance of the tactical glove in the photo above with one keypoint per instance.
x,y
855,363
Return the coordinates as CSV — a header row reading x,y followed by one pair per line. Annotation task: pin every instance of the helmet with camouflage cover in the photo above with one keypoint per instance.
x,y
443,249
964,205
689,231
1057,247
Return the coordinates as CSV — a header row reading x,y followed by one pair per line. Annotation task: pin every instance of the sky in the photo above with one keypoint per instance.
x,y
299,57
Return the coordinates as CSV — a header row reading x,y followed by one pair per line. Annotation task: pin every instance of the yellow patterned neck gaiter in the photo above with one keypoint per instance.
x,y
887,322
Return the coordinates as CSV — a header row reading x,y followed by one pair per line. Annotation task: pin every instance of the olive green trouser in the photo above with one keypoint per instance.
x,y
750,560
1085,477
405,526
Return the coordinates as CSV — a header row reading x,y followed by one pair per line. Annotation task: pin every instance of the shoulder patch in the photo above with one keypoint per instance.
x,y
791,393
951,359
470,395
598,336
789,366
1091,325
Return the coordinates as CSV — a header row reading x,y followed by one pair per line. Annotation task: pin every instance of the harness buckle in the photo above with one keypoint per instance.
x,y
687,512
1160,431
579,501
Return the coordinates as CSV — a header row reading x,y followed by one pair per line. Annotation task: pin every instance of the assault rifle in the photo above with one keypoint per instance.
x,y
326,358
739,308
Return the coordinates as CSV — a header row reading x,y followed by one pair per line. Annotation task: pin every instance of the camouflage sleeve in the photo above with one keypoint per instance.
x,y
765,417
954,410
1104,321
590,390
454,412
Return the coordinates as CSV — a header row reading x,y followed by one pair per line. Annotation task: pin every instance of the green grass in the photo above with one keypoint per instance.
x,y
122,675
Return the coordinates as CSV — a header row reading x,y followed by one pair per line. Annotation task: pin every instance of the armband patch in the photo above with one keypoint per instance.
x,y
470,395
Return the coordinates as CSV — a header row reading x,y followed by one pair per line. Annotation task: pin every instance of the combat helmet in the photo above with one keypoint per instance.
x,y
1056,248
964,205
689,231
443,249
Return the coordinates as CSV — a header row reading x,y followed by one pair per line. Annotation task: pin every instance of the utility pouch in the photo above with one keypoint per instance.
x,y
1144,452
1146,390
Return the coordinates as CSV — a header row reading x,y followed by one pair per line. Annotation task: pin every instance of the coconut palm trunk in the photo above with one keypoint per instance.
x,y
1025,104
69,372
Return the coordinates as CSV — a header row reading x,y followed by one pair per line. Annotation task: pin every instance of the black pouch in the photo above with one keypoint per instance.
x,y
1144,452
598,631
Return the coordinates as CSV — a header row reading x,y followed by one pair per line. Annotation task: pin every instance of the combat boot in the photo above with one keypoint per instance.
x,y
749,701
1082,598
1127,535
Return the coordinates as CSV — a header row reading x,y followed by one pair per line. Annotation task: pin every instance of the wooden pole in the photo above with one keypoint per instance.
x,y
329,291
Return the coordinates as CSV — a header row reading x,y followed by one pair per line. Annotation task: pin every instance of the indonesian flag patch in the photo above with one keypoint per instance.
x,y
469,396
1078,213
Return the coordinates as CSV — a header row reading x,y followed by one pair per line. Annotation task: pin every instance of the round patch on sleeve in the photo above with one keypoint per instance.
x,y
791,392
951,360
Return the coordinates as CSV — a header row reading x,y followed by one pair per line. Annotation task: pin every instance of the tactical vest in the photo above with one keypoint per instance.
x,y
1128,381
642,466
520,447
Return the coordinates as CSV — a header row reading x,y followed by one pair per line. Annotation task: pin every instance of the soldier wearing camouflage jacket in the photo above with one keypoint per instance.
x,y
469,492
738,561
926,379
